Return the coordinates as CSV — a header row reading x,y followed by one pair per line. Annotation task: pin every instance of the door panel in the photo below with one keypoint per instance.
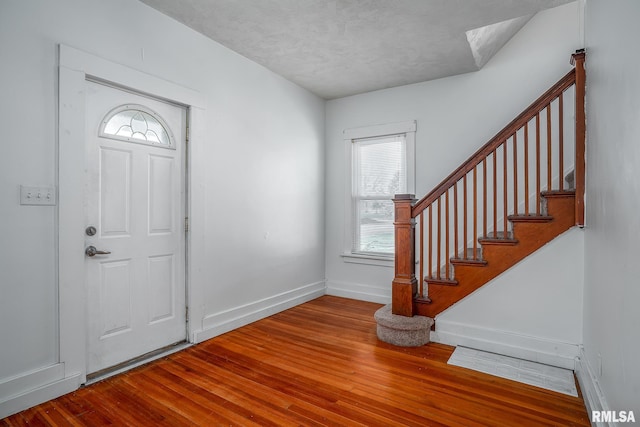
x,y
160,194
135,198
161,288
115,297
115,203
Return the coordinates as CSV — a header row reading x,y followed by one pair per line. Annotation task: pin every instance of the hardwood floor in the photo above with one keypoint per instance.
x,y
317,364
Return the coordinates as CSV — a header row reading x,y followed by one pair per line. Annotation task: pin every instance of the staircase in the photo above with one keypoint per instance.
x,y
497,254
505,202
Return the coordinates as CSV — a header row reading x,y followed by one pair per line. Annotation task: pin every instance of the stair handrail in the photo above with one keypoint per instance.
x,y
529,113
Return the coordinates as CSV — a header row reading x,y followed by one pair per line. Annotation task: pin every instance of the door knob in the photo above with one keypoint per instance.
x,y
92,251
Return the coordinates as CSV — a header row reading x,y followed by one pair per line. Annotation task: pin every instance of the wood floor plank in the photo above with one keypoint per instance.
x,y
213,377
318,364
57,415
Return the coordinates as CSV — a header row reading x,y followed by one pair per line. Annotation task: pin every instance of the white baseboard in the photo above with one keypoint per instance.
x,y
535,349
25,391
218,323
594,398
359,291
17,385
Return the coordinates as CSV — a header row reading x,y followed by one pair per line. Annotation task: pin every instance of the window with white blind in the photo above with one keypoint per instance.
x,y
381,162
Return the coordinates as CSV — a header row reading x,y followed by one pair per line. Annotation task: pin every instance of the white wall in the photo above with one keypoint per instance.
x,y
612,284
263,216
455,116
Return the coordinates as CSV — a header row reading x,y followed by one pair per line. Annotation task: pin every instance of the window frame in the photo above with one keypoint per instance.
x,y
408,128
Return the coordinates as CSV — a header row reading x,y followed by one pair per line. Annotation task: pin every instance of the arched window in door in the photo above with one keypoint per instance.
x,y
136,123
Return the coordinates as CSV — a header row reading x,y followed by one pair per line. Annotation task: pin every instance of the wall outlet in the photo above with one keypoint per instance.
x,y
39,196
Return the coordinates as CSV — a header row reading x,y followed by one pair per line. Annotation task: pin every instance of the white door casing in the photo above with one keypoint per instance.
x,y
135,200
75,68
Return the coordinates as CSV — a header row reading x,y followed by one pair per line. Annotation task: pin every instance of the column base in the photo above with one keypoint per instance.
x,y
400,330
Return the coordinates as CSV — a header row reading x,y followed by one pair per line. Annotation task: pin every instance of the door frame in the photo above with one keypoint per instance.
x,y
75,67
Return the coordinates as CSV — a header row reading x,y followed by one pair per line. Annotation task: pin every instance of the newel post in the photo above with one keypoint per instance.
x,y
404,285
578,60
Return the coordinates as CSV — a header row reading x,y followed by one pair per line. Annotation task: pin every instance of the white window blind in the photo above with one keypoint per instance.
x,y
379,172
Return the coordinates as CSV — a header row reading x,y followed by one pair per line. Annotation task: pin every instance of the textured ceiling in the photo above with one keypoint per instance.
x,y
336,48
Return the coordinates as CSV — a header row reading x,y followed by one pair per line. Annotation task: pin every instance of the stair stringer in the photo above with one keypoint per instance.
x,y
530,232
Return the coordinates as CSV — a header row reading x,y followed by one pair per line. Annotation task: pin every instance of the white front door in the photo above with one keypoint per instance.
x,y
135,210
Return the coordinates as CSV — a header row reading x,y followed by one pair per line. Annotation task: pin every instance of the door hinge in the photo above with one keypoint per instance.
x,y
186,224
186,314
187,135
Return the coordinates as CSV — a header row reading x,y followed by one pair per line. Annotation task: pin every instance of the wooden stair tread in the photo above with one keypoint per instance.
x,y
530,218
440,281
467,257
498,235
497,241
468,261
558,193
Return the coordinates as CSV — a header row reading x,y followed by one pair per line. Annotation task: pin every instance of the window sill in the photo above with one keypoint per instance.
x,y
379,260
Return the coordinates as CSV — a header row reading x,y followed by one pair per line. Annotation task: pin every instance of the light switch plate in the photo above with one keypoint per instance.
x,y
39,196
